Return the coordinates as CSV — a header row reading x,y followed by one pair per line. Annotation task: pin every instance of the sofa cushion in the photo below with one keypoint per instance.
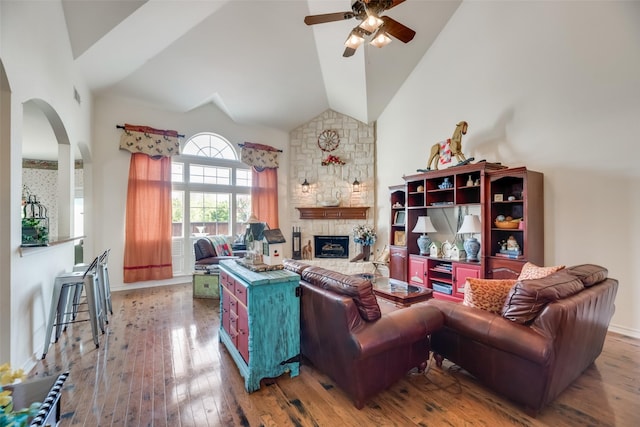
x,y
358,288
589,274
295,266
531,271
528,298
486,294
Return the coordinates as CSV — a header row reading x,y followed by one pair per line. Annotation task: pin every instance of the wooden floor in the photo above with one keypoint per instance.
x,y
160,364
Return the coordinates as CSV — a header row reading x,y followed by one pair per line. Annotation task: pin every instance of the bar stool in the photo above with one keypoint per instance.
x,y
66,286
103,281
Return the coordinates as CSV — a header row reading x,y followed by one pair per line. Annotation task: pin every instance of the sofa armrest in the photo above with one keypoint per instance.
x,y
495,331
400,327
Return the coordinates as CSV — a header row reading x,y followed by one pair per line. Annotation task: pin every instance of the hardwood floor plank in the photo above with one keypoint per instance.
x,y
160,363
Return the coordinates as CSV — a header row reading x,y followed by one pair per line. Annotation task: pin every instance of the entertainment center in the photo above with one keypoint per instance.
x,y
509,203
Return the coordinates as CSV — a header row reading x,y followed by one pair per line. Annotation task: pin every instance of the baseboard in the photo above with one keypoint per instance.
x,y
633,333
175,280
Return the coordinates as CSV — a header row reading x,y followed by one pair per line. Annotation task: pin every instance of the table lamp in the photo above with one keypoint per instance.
x,y
471,225
424,225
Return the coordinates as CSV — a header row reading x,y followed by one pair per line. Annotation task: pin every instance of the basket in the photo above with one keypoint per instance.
x,y
508,225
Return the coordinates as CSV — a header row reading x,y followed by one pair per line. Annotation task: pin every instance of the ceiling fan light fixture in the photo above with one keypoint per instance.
x,y
355,39
380,39
371,23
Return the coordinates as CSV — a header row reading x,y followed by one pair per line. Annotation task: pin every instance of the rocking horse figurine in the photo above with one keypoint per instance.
x,y
442,151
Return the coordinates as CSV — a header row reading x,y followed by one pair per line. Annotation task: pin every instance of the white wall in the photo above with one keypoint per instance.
x,y
111,165
35,52
554,86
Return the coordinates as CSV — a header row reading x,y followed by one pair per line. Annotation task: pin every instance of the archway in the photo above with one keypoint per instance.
x,y
48,164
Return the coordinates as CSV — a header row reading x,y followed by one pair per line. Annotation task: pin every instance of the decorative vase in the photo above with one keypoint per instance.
x,y
423,243
472,247
366,252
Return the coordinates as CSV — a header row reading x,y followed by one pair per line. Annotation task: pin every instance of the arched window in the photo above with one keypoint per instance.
x,y
211,194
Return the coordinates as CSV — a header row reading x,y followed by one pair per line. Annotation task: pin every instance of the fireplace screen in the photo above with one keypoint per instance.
x,y
331,246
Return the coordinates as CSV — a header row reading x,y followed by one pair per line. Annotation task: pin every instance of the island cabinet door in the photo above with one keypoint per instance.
x,y
226,309
243,333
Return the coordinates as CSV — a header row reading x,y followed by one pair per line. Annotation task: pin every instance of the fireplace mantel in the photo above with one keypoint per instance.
x,y
338,212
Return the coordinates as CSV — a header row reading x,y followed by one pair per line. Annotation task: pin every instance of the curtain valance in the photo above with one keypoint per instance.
x,y
149,141
260,156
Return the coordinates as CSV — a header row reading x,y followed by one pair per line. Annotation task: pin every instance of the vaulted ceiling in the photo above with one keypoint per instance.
x,y
255,59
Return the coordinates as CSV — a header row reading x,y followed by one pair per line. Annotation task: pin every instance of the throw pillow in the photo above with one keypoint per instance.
x,y
532,271
220,245
486,294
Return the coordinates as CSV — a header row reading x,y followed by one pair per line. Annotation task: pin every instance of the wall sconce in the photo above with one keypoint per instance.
x,y
305,186
356,186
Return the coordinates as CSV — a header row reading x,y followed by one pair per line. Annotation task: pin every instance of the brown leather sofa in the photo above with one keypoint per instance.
x,y
346,335
550,330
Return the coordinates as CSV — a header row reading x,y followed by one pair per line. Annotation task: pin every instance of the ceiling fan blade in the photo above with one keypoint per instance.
x,y
348,51
394,3
397,30
328,17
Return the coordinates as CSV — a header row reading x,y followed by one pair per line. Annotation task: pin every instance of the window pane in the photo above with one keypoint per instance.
x,y
243,177
243,212
210,212
209,175
177,213
210,145
177,170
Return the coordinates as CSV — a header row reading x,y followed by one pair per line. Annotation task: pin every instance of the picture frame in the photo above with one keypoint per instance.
x,y
400,238
400,218
498,197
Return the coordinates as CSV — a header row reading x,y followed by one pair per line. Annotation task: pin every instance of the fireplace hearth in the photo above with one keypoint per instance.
x,y
331,246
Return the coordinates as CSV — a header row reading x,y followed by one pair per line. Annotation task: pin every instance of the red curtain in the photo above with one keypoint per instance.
x,y
264,196
147,250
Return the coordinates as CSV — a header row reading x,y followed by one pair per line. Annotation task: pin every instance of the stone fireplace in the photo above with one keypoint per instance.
x,y
334,247
328,183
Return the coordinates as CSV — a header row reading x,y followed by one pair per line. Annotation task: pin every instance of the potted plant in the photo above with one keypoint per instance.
x,y
35,232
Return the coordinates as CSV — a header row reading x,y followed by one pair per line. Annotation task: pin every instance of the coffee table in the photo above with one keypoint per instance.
x,y
400,293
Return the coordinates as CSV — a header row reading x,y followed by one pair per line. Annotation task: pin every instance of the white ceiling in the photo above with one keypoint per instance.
x,y
255,59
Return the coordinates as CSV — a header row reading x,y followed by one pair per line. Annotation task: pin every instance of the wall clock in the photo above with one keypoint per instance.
x,y
328,140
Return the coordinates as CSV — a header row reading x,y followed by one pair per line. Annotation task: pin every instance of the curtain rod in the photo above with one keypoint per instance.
x,y
122,127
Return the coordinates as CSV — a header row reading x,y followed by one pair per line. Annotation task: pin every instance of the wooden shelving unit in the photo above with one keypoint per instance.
x,y
469,185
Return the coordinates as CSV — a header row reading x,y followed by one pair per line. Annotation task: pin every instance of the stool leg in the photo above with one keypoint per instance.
x,y
107,289
90,285
63,313
102,299
76,299
55,298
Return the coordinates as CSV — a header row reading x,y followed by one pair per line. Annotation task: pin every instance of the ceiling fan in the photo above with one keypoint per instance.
x,y
367,11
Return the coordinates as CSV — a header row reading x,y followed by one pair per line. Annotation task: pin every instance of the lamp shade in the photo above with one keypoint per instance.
x,y
470,225
424,225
